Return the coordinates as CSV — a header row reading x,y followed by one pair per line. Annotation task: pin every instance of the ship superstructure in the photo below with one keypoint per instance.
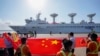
x,y
43,27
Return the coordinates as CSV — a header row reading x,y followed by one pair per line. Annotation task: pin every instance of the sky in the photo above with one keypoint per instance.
x,y
16,11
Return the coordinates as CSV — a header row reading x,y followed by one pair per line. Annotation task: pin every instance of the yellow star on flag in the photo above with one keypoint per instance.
x,y
46,45
43,41
54,42
42,44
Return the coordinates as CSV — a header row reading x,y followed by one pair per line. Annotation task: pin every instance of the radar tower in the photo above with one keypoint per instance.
x,y
91,17
72,15
54,15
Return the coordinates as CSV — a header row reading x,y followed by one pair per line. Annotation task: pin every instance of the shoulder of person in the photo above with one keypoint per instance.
x,y
91,44
59,54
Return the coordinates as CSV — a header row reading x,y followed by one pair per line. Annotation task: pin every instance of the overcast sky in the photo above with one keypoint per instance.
x,y
16,11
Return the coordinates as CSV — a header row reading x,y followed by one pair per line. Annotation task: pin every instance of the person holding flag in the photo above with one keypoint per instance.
x,y
3,50
9,44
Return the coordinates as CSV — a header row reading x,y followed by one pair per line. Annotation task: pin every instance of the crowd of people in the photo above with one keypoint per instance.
x,y
92,48
68,46
22,50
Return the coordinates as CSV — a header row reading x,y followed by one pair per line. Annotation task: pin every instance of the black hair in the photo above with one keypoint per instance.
x,y
25,33
23,40
9,34
94,36
71,34
67,43
64,40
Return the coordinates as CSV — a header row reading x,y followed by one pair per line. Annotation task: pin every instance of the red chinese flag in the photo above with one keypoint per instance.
x,y
2,43
98,39
44,46
14,42
80,42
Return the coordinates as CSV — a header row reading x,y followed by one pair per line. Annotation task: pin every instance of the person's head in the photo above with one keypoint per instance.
x,y
25,35
71,34
67,44
89,34
9,34
94,37
23,40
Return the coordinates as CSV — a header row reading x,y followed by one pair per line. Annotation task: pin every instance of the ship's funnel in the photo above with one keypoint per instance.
x,y
91,17
54,15
72,16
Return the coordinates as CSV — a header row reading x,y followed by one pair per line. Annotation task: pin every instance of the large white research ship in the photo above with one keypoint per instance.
x,y
43,27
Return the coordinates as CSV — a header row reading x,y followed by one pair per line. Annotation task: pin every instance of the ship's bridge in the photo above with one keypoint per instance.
x,y
31,21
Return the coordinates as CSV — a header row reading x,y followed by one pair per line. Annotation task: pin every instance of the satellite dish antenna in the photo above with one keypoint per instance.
x,y
91,17
72,15
54,15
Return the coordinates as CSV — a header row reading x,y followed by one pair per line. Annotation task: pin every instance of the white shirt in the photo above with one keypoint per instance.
x,y
73,40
